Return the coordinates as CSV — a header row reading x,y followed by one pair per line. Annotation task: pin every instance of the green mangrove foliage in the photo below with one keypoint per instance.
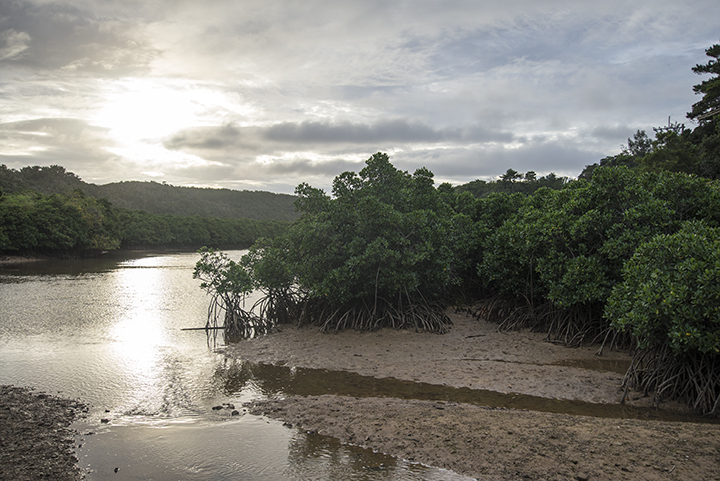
x,y
670,301
626,256
562,252
384,250
228,283
32,222
389,249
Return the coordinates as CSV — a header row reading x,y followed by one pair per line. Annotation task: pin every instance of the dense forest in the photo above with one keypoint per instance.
x,y
48,211
153,197
71,225
628,256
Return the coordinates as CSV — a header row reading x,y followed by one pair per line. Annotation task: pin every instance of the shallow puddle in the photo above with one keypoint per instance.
x,y
273,380
249,448
619,366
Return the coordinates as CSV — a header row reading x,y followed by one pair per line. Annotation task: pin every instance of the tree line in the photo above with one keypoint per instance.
x,y
153,197
32,223
512,182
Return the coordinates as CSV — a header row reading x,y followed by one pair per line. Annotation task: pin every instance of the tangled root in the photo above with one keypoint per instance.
x,y
574,326
692,378
360,316
240,324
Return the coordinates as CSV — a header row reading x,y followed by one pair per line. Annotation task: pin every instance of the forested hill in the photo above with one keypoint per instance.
x,y
153,197
187,201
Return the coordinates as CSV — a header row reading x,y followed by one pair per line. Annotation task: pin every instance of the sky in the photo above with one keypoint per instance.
x,y
265,95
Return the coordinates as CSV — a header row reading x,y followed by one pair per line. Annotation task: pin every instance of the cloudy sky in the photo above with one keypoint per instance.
x,y
263,94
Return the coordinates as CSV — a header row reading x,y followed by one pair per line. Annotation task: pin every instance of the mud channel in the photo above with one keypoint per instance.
x,y
483,403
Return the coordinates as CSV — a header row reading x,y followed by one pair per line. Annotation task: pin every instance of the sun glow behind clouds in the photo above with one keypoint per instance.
x,y
141,113
143,109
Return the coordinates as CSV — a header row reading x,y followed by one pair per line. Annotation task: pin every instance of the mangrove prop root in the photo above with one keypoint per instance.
x,y
227,314
406,313
692,378
295,307
573,326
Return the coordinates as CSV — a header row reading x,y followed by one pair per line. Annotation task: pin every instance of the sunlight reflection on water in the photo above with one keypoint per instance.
x,y
108,331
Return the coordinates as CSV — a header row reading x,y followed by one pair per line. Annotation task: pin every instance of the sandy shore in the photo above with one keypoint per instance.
x,y
478,441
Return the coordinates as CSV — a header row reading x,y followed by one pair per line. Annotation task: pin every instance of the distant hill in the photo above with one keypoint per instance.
x,y
153,197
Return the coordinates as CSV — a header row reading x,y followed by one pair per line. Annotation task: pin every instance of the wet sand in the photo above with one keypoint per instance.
x,y
478,441
473,354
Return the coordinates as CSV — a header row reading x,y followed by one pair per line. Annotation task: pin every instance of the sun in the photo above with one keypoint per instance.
x,y
147,109
141,113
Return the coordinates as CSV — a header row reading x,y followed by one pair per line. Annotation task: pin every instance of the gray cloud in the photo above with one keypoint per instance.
x,y
398,130
278,93
51,36
296,135
68,142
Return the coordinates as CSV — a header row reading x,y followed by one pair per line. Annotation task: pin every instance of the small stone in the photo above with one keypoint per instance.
x,y
217,408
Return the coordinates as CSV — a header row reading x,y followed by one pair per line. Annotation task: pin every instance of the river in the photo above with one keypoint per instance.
x,y
108,331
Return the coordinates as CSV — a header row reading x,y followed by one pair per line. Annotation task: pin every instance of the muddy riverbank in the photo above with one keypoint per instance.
x,y
473,354
36,441
475,440
493,444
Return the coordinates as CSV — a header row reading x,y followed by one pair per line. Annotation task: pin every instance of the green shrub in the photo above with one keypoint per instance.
x,y
382,251
562,252
670,302
671,291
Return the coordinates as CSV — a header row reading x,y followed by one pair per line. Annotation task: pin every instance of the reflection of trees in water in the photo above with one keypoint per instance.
x,y
234,375
231,376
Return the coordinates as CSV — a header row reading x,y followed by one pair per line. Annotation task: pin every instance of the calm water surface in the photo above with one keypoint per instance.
x,y
108,332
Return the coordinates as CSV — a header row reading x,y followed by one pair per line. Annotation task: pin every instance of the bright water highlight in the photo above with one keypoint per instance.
x,y
107,331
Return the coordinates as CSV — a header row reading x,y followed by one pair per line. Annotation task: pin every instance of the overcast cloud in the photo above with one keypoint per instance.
x,y
263,95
